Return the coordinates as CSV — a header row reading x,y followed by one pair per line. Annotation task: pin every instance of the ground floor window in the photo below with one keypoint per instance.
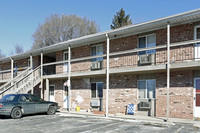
x,y
146,88
97,90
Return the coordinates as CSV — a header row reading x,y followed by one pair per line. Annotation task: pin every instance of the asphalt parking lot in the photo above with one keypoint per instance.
x,y
74,124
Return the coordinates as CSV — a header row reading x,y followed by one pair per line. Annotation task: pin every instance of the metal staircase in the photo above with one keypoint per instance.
x,y
23,83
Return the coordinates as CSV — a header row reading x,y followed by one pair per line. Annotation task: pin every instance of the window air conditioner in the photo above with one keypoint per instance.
x,y
146,59
96,65
145,105
95,103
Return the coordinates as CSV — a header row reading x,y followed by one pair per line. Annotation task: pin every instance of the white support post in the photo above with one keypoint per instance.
x,y
69,78
12,71
168,68
12,68
47,88
41,72
107,74
31,64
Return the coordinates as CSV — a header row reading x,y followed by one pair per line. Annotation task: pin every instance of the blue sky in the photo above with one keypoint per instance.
x,y
19,19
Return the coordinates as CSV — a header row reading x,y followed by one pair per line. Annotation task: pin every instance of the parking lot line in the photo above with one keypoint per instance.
x,y
96,129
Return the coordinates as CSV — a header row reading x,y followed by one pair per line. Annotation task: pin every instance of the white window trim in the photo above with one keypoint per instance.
x,y
195,31
96,90
195,37
146,39
145,89
65,52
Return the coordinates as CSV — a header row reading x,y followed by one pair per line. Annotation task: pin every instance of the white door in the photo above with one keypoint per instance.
x,y
197,45
197,97
65,97
65,65
52,93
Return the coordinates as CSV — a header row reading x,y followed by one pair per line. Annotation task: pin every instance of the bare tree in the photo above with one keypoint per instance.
x,y
18,49
59,28
1,54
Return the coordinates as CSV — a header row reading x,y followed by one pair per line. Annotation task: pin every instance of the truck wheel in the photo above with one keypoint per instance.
x,y
16,113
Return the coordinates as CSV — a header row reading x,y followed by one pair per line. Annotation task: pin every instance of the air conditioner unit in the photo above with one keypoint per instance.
x,y
96,65
95,103
146,59
145,105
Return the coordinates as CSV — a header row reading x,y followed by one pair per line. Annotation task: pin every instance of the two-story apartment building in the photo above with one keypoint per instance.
x,y
154,65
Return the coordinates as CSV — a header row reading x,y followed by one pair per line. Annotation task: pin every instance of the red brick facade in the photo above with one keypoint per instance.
x,y
123,87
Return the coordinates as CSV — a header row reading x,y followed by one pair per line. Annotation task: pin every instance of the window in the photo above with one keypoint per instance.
x,y
146,88
146,42
9,98
36,98
65,65
24,98
97,90
198,33
97,50
51,90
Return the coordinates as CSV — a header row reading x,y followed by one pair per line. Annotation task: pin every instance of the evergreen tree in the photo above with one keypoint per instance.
x,y
120,20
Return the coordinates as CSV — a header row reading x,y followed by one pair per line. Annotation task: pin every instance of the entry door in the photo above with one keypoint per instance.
x,y
52,93
197,97
65,65
65,97
197,45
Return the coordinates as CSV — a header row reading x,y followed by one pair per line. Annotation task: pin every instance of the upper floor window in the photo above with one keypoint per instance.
x,y
97,50
146,42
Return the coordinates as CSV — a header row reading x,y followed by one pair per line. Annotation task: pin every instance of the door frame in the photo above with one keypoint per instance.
x,y
67,97
194,96
97,98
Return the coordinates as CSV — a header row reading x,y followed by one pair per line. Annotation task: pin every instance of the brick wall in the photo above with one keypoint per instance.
x,y
79,52
81,93
181,94
59,67
5,75
178,33
123,91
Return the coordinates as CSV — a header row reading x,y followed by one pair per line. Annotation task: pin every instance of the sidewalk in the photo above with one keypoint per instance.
x,y
133,118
